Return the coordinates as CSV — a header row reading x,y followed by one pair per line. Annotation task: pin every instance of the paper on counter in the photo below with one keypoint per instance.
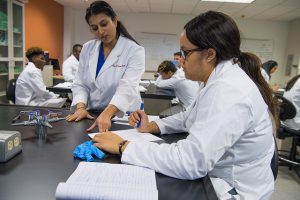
x,y
132,135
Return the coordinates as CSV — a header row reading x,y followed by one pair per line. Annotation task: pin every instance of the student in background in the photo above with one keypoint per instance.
x,y
30,87
292,93
173,78
267,69
110,69
70,65
230,130
179,59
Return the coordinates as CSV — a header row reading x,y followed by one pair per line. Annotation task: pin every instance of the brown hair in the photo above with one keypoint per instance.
x,y
250,63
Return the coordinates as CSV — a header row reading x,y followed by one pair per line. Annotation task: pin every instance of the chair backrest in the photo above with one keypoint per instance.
x,y
10,90
287,109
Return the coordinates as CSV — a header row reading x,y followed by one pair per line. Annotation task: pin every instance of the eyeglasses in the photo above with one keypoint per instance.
x,y
185,53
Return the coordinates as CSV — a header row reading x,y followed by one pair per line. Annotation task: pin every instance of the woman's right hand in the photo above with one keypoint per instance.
x,y
79,114
141,116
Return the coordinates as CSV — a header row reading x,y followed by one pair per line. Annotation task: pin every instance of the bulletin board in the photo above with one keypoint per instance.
x,y
262,48
158,47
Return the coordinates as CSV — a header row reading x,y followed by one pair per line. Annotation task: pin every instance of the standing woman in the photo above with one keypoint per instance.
x,y
230,130
110,68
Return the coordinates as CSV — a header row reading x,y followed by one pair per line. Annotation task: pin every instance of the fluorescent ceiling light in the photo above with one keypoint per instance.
x,y
233,1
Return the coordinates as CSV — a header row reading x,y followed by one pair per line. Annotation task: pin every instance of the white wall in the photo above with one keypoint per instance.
x,y
173,24
293,47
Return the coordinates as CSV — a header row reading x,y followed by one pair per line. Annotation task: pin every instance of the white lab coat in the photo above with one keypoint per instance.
x,y
230,138
185,90
294,96
118,80
70,67
265,75
31,89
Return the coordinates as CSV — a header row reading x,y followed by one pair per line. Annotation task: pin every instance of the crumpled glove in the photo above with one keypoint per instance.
x,y
85,151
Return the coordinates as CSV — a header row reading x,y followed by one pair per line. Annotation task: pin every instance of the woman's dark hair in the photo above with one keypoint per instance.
x,y
217,31
269,65
250,63
292,82
166,66
98,7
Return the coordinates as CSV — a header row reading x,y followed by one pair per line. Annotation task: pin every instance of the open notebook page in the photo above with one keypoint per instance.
x,y
109,181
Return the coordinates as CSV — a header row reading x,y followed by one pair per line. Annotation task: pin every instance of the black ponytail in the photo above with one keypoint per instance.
x,y
251,64
98,7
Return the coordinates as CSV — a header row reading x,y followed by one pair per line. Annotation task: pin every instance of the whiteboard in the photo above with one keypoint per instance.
x,y
158,47
262,48
162,46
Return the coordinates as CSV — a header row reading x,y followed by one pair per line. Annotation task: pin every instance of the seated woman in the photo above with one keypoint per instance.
x,y
267,69
30,87
173,78
293,94
230,129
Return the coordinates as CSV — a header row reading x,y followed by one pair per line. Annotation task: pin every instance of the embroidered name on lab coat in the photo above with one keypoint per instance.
x,y
116,65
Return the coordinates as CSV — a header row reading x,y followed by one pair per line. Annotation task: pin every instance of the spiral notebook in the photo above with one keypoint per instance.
x,y
99,181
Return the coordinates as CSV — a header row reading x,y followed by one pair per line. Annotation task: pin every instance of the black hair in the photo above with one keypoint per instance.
x,y
292,82
178,54
98,7
33,51
166,66
76,46
269,65
217,31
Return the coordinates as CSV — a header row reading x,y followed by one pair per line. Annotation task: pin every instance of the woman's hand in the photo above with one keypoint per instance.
x,y
103,122
108,141
79,114
141,116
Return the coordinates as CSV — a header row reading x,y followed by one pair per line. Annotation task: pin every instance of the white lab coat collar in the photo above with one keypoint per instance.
x,y
112,57
222,67
32,66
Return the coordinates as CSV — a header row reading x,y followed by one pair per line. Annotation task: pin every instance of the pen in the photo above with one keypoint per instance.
x,y
139,122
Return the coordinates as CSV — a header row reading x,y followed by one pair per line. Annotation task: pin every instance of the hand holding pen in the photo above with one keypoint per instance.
x,y
139,119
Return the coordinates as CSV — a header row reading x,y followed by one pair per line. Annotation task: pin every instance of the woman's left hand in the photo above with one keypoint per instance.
x,y
108,141
103,122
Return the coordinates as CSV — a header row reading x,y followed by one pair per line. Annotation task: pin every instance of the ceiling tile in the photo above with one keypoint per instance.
x,y
206,6
283,10
164,6
138,5
184,7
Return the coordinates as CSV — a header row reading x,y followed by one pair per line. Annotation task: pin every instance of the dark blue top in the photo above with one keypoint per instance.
x,y
101,60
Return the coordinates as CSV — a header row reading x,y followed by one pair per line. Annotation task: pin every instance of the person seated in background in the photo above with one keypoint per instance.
x,y
179,59
292,93
30,87
70,65
173,78
267,69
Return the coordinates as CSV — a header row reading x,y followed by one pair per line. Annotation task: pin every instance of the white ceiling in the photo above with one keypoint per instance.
x,y
278,10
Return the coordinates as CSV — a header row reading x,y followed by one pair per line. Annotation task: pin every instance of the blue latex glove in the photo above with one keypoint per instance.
x,y
85,151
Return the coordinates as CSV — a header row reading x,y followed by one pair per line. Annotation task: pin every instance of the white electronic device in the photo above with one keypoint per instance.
x,y
10,144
